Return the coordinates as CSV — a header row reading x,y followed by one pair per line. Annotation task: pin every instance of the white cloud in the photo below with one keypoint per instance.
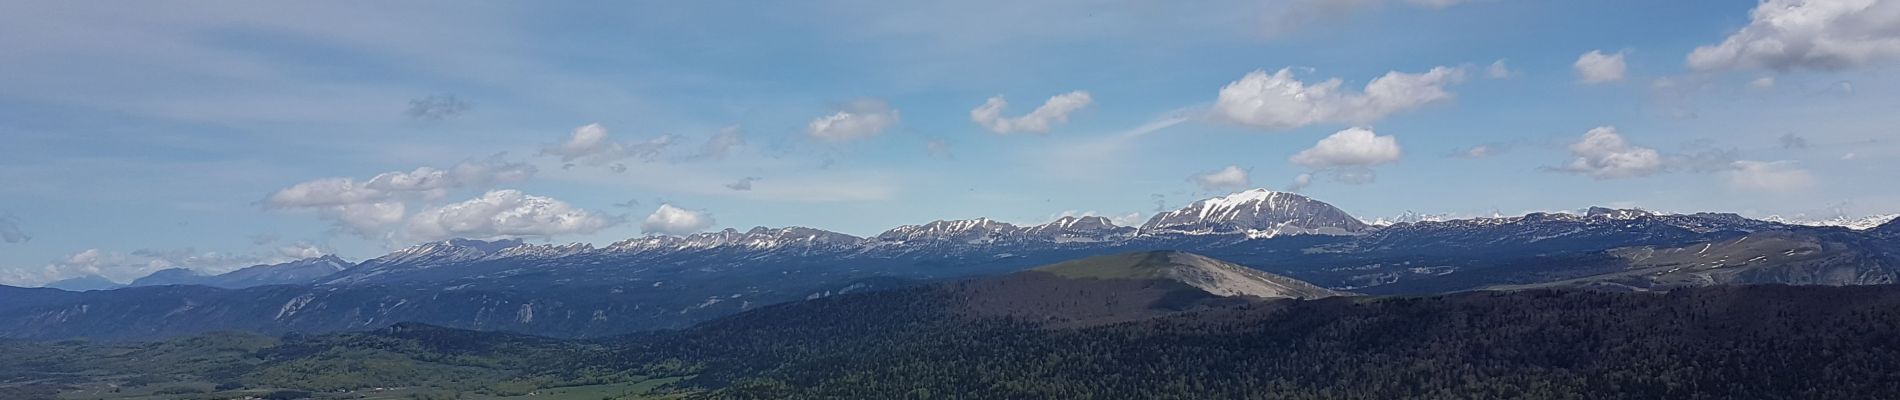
x,y
1224,179
350,205
1597,67
1129,219
505,214
1497,70
1603,154
301,251
1300,182
860,119
1353,147
325,193
590,145
1281,101
434,183
366,219
676,221
364,208
1054,111
1346,156
1769,176
1785,35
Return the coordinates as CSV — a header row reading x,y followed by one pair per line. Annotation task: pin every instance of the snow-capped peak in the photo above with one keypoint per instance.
x,y
1855,223
1616,213
1087,228
1410,217
1256,212
963,230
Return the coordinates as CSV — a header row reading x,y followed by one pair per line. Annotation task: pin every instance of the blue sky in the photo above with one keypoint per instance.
x,y
215,135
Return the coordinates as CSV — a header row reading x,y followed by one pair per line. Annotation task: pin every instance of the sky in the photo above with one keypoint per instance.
x,y
220,134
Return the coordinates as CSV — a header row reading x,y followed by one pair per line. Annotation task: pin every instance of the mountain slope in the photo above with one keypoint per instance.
x,y
1117,288
170,276
297,272
84,283
1724,342
291,273
1216,277
1257,212
1736,342
659,282
1818,257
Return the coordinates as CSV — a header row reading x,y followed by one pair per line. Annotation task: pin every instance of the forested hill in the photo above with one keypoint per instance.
x,y
1742,342
1712,343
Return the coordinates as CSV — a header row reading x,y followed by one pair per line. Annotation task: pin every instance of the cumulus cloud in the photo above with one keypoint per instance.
x,y
672,220
743,183
1603,154
1281,101
1353,147
1597,67
1300,182
365,207
351,205
325,192
1786,35
1346,156
590,145
299,251
366,219
860,119
1224,179
437,107
505,214
10,230
1769,176
1052,112
434,183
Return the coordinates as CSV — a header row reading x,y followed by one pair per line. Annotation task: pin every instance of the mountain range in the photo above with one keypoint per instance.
x,y
664,282
1148,324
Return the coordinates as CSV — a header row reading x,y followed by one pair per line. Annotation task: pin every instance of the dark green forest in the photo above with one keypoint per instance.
x,y
1754,342
1709,343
